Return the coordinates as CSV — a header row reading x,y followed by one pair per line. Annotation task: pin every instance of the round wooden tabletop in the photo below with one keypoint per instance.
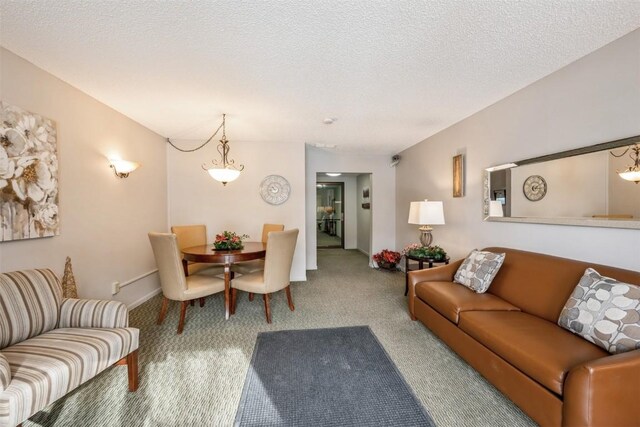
x,y
207,253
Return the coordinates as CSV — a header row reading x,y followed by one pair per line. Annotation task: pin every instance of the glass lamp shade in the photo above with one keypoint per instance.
x,y
631,174
224,175
123,168
495,208
427,212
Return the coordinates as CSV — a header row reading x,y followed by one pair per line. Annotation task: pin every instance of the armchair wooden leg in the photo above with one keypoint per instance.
x,y
289,299
201,302
183,312
132,368
234,296
250,296
267,307
163,310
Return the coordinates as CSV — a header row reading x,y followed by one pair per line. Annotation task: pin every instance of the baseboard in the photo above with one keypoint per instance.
x,y
145,298
299,278
360,250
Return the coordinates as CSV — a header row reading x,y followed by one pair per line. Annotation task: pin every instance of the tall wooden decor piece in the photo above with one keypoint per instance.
x,y
69,289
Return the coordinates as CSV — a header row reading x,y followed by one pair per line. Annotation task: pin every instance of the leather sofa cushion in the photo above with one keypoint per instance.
x,y
540,349
450,299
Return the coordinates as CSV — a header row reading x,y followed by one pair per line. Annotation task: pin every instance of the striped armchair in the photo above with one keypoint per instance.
x,y
50,345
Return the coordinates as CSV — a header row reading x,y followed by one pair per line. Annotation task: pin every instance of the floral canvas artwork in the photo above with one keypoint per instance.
x,y
28,175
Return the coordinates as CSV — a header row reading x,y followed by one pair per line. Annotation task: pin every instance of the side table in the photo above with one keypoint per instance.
x,y
421,262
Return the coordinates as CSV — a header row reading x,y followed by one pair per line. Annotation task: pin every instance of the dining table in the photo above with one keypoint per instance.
x,y
209,254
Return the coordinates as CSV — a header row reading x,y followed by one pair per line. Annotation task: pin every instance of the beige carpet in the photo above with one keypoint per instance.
x,y
196,379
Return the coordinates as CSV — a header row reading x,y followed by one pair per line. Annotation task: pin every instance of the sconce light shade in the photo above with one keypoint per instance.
x,y
122,168
224,175
495,208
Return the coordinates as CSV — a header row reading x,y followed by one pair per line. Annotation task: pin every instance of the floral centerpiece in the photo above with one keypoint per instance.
x,y
387,259
229,240
416,250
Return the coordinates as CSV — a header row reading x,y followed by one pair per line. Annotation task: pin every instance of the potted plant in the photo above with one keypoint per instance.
x,y
387,259
229,240
415,250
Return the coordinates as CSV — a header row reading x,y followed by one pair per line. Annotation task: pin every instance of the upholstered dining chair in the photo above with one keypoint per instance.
x,y
247,267
275,276
194,235
176,286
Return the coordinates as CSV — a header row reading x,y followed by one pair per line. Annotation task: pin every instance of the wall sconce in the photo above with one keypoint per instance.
x,y
122,168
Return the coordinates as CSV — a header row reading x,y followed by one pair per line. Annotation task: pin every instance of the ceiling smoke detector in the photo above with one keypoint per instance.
x,y
329,120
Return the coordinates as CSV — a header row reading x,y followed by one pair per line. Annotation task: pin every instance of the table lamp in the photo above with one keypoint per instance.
x,y
425,214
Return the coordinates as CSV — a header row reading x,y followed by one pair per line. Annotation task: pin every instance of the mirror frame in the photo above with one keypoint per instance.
x,y
584,222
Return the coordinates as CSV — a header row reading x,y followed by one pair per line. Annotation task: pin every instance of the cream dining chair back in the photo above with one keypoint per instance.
x,y
252,266
175,285
277,264
267,228
193,235
275,276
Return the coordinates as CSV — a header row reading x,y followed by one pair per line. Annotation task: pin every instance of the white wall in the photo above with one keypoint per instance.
x,y
595,99
104,220
383,191
576,187
195,198
350,223
364,215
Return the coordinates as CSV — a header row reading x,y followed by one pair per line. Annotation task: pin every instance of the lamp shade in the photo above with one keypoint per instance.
x,y
426,213
630,175
124,166
223,175
495,208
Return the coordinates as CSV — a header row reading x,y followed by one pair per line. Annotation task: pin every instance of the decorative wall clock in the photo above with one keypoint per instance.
x,y
534,188
275,189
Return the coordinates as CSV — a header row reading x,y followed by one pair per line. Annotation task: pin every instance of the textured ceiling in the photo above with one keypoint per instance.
x,y
391,72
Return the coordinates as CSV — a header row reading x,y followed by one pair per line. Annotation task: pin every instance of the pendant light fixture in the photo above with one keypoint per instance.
x,y
223,170
632,173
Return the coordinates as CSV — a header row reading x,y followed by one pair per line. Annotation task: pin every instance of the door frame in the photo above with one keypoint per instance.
x,y
341,185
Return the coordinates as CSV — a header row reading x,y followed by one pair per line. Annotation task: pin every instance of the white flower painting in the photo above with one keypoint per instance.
x,y
28,175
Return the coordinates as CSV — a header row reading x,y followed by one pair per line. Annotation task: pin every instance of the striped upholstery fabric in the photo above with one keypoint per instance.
x,y
5,372
29,301
49,366
91,313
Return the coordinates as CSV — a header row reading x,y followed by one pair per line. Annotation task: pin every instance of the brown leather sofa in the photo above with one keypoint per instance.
x,y
510,335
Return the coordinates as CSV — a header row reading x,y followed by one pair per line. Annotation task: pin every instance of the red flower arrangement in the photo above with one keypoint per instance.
x,y
387,258
229,240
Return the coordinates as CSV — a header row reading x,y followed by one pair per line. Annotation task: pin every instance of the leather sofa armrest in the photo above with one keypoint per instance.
x,y
443,273
89,313
603,392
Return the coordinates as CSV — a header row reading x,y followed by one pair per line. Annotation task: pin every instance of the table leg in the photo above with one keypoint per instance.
x,y
227,288
406,276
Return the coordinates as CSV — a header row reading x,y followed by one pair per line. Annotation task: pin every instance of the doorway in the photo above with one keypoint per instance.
x,y
330,214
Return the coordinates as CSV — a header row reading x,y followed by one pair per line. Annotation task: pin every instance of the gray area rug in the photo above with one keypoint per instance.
x,y
326,377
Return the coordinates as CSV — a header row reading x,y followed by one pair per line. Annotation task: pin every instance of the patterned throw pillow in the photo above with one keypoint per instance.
x,y
604,311
478,270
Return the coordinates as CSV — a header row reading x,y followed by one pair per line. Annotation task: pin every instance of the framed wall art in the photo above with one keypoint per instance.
x,y
458,175
28,175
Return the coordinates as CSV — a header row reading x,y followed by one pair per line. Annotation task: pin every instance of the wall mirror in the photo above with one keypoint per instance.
x,y
575,187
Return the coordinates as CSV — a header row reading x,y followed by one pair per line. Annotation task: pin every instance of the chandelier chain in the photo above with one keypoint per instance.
x,y
203,144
